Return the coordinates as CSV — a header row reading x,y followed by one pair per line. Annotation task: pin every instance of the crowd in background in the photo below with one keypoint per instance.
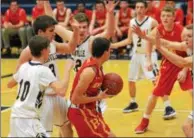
x,y
16,25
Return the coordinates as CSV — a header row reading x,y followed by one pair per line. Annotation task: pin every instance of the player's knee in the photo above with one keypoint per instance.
x,y
186,126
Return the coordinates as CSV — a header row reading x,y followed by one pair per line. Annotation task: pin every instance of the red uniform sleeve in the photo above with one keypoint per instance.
x,y
6,18
179,16
22,15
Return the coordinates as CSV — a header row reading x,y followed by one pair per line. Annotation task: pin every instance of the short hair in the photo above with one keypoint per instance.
x,y
142,1
189,27
13,1
100,2
59,1
37,44
81,17
43,22
81,2
169,9
99,46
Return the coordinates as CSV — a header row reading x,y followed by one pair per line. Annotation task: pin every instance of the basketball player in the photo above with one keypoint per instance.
x,y
83,49
169,31
137,66
84,113
33,79
54,107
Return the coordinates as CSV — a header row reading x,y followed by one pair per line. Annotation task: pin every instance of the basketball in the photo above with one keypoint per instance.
x,y
113,82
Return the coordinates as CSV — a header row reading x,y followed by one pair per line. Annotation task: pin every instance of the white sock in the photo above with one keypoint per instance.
x,y
133,100
146,116
167,103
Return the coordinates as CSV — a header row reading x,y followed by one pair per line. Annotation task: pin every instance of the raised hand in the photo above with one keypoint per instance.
x,y
74,24
138,31
110,5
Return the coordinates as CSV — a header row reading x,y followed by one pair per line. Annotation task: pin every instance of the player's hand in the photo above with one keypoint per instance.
x,y
182,75
110,5
74,24
149,65
104,95
138,31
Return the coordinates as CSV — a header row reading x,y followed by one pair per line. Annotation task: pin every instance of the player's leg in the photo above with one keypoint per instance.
x,y
60,117
188,126
133,76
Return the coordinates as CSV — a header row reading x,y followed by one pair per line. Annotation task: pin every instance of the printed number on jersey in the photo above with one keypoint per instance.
x,y
78,64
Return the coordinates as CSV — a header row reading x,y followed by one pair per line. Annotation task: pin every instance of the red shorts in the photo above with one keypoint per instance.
x,y
88,123
166,79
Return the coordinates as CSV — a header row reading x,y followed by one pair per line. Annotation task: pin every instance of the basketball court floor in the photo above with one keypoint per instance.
x,y
122,125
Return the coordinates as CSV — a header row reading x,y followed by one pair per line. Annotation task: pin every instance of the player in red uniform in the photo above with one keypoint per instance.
x,y
169,72
153,11
84,113
62,14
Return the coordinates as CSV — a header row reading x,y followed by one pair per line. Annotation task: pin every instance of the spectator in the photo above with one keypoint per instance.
x,y
82,9
15,19
37,10
98,21
189,16
153,11
179,14
123,17
62,14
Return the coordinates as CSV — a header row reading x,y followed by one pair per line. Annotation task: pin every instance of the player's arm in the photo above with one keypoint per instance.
x,y
92,22
12,83
67,18
110,25
79,95
124,42
25,56
54,13
72,44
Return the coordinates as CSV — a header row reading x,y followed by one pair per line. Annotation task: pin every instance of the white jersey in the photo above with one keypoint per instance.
x,y
81,54
146,26
33,79
51,63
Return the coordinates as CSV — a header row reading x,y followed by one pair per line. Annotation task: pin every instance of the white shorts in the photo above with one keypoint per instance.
x,y
191,115
137,69
21,127
54,112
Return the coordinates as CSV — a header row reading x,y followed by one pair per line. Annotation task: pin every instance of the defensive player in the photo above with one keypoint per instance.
x,y
33,79
54,107
84,113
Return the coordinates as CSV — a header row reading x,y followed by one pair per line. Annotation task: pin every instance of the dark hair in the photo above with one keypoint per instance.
x,y
81,17
11,1
142,1
169,9
42,23
189,27
100,2
99,46
37,44
81,2
59,1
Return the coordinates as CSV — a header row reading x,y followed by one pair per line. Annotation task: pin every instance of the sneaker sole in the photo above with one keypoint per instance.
x,y
141,132
129,111
169,116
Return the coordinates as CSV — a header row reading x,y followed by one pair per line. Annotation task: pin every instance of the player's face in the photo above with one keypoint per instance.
x,y
80,7
170,4
167,18
40,3
100,7
14,6
123,5
140,9
49,33
60,5
189,38
107,54
83,26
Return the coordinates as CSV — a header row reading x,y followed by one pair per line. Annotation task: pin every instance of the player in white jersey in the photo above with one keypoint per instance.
x,y
83,49
137,67
33,79
54,107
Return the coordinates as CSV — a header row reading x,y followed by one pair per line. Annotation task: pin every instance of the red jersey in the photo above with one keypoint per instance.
x,y
179,16
100,17
87,12
124,17
37,12
189,18
15,18
174,35
95,85
154,13
61,17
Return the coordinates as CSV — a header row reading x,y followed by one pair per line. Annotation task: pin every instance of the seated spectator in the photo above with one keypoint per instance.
x,y
189,16
123,17
179,14
37,10
15,19
62,14
98,21
153,11
82,9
